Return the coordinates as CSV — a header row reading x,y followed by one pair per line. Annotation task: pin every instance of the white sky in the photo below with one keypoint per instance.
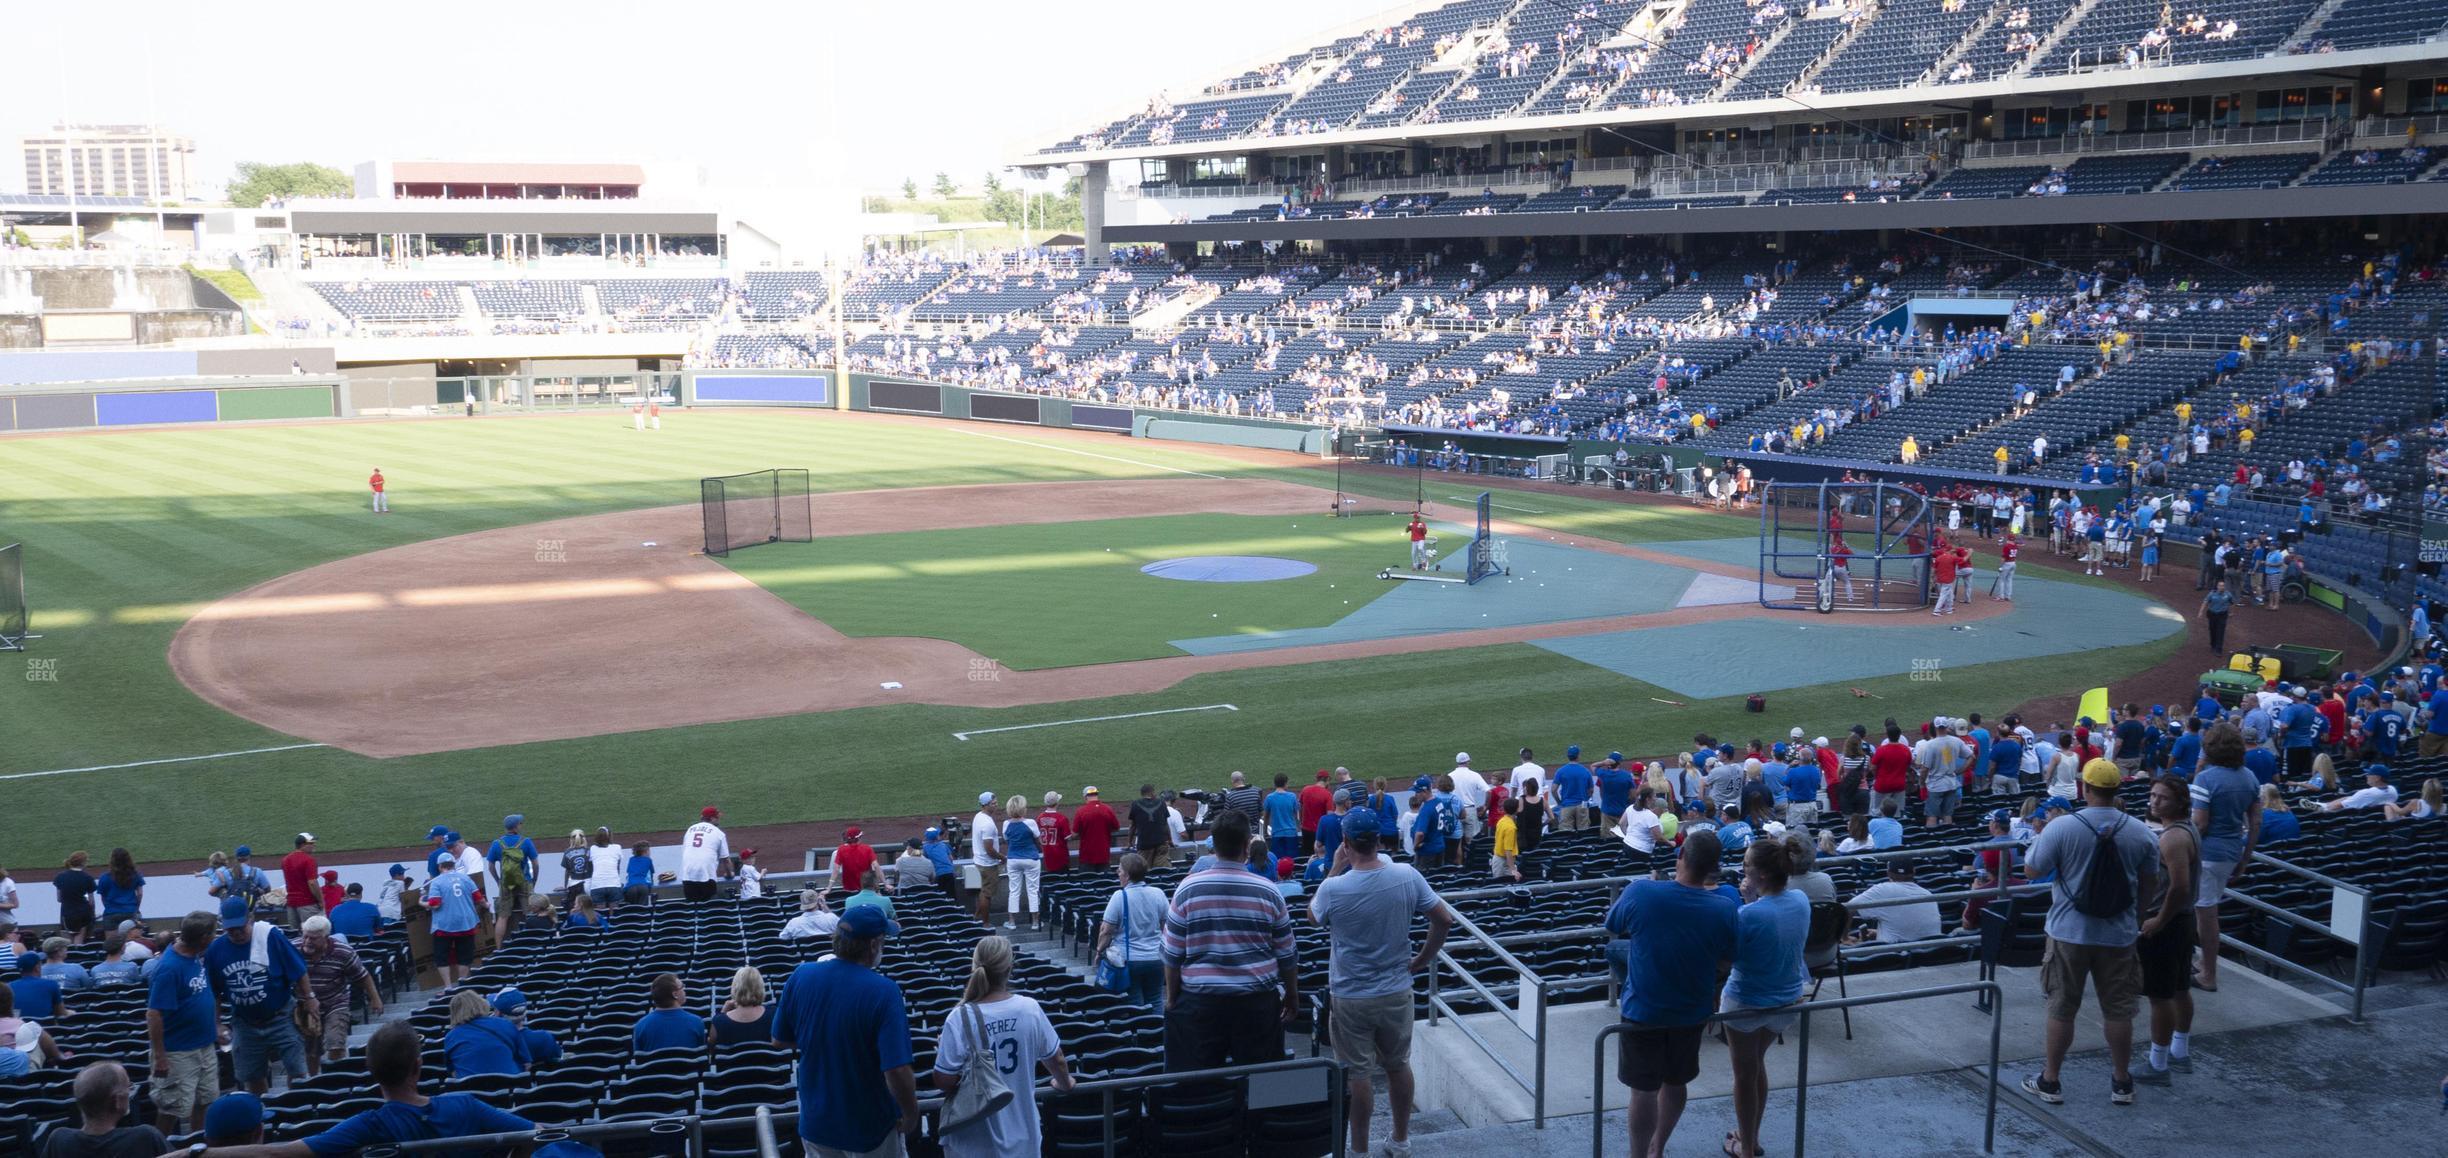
x,y
745,92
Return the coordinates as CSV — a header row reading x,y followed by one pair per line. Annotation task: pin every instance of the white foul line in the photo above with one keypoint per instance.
x,y
1089,453
150,763
1498,505
1097,719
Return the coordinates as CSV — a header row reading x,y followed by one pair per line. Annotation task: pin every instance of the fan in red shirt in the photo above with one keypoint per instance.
x,y
1096,824
1890,769
333,894
852,861
1054,836
1315,802
2333,712
299,873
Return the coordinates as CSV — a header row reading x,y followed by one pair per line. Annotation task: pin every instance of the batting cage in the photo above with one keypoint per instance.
x,y
1487,553
766,506
1853,546
14,615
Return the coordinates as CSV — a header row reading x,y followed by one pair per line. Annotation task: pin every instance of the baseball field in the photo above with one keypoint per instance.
x,y
234,646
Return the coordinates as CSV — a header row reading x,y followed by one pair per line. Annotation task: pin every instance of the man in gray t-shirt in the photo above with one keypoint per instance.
x,y
2093,947
1366,905
2227,811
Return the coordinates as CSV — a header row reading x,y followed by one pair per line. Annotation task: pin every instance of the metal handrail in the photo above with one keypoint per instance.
x,y
1439,1008
765,1119
1990,990
2361,940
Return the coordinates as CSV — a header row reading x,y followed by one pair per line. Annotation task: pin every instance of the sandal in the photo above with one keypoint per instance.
x,y
1730,1152
2197,984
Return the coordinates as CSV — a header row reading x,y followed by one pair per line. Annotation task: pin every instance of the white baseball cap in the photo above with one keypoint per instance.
x,y
1795,734
985,798
1461,757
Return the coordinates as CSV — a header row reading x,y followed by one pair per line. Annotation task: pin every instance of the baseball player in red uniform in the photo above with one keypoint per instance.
x,y
2004,588
382,504
1419,542
654,416
1840,560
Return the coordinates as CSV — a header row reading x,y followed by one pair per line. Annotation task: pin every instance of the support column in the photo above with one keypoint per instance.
x,y
1092,212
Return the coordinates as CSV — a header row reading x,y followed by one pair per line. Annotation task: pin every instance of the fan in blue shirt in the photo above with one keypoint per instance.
x,y
480,1042
1614,786
852,1029
1682,935
38,997
1573,781
393,1059
667,1025
354,918
2385,730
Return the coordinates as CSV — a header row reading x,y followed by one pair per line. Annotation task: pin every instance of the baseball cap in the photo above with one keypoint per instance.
x,y
985,798
509,1001
932,833
1283,868
514,820
851,832
1795,734
305,838
243,850
708,812
2381,770
233,912
437,832
399,870
232,1119
2102,773
1615,756
2056,804
1572,751
1322,774
1091,790
331,875
864,921
33,960
1362,823
2001,816
747,854
1461,757
2296,691
446,858
1422,784
1819,741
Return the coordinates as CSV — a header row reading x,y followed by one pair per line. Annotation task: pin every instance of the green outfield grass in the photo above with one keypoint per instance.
x,y
127,534
1064,594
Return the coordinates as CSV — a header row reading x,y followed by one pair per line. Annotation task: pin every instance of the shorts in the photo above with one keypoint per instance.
x,y
1653,1056
2112,968
2167,961
637,894
514,900
1942,803
2299,762
297,914
2213,888
1752,1019
1372,1034
454,950
604,897
890,1147
76,916
2128,764
192,1084
1801,815
336,1026
253,1048
1501,867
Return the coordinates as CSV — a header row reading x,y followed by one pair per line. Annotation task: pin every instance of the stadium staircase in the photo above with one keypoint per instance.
x,y
2311,26
2048,45
1837,47
1966,43
284,296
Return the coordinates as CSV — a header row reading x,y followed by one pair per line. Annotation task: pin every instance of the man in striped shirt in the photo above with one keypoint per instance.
x,y
1231,977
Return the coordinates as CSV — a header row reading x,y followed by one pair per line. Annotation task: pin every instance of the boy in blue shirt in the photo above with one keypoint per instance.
x,y
1573,784
638,882
1282,808
1428,824
38,997
1614,786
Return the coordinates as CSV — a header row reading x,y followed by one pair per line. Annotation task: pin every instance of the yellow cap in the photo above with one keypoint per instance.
x,y
2103,773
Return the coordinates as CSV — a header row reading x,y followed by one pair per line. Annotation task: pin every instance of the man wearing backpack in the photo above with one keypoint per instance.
x,y
2100,862
514,859
1150,833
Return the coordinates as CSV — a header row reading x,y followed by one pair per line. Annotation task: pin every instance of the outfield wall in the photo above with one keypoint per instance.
x,y
91,406
884,394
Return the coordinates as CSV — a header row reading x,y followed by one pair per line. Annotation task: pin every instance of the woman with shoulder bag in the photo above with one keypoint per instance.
x,y
997,1039
1130,937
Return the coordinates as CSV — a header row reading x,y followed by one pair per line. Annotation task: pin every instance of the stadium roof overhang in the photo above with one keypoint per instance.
x,y
2116,83
498,216
2206,205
